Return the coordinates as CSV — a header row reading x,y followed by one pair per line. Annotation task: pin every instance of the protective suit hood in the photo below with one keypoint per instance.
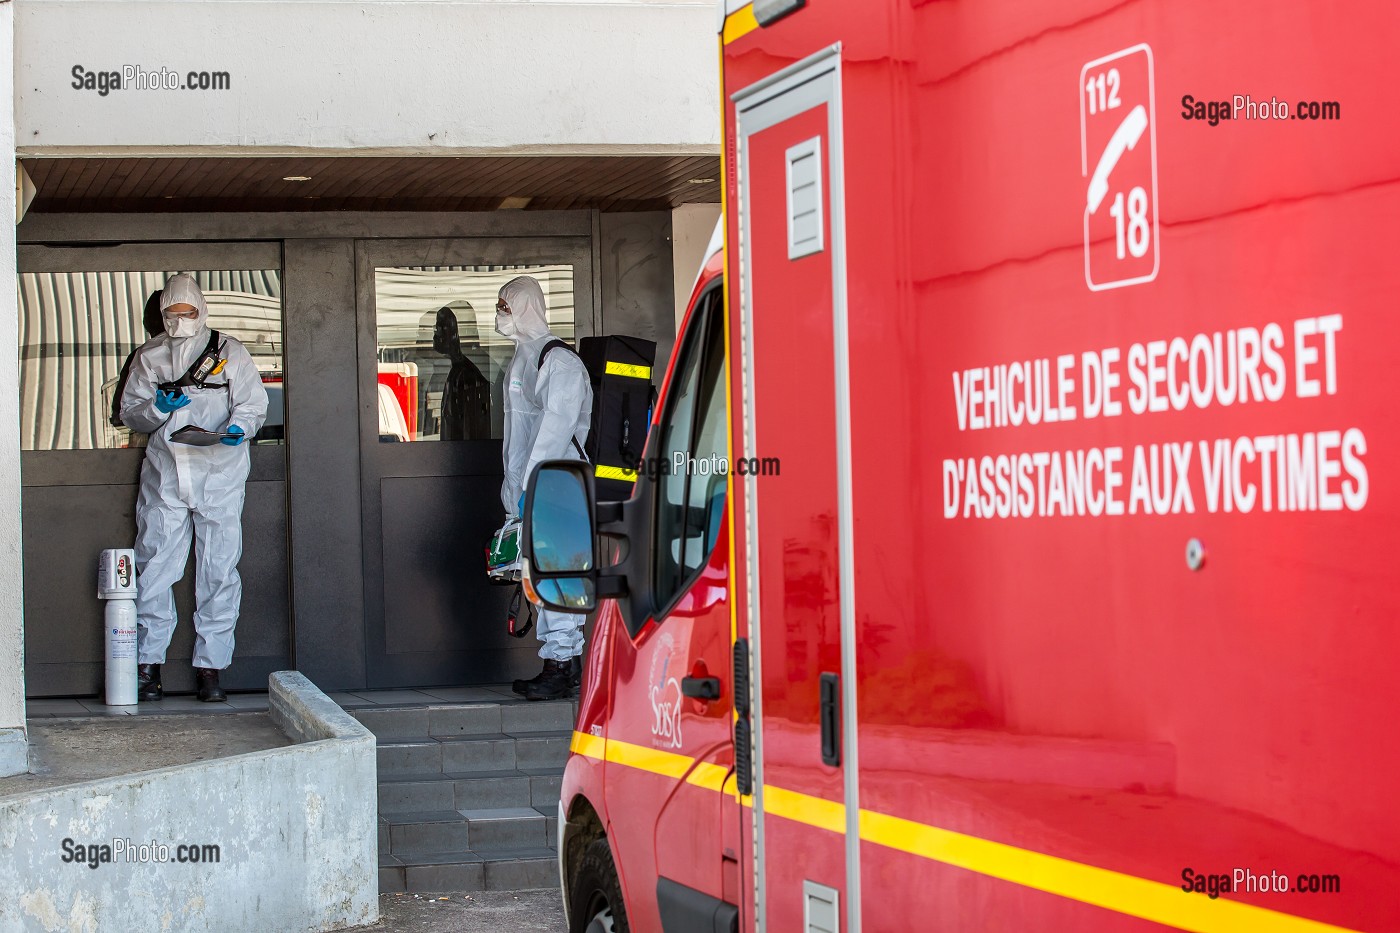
x,y
182,289
527,308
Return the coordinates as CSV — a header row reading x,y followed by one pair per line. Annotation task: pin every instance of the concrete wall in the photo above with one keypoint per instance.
x,y
295,828
691,228
13,756
372,77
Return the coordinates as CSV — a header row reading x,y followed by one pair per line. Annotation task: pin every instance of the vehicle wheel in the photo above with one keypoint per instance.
x,y
595,895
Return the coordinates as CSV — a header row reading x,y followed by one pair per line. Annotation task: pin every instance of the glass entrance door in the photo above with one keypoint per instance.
x,y
431,417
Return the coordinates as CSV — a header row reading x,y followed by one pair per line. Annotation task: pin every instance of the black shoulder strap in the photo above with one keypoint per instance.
x,y
544,350
192,375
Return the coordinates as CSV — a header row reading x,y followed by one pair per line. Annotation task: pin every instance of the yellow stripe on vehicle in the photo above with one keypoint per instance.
x,y
1125,894
630,370
589,746
611,472
804,808
709,776
666,764
739,23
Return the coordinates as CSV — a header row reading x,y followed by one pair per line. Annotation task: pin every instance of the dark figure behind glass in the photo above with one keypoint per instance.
x,y
154,324
466,399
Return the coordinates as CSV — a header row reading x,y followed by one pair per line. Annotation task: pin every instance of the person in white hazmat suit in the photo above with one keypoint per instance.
x,y
547,406
186,488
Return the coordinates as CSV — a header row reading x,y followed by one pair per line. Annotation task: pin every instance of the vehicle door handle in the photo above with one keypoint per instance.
x,y
831,719
700,688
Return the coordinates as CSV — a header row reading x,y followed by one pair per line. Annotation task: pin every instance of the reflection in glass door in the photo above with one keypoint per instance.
x,y
440,360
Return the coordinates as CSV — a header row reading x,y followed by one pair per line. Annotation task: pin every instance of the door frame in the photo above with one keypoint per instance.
x,y
811,82
384,668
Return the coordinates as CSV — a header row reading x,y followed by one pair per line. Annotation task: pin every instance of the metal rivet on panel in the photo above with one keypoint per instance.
x,y
1195,554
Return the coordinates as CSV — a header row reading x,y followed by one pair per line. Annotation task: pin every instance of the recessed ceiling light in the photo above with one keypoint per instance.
x,y
296,177
700,181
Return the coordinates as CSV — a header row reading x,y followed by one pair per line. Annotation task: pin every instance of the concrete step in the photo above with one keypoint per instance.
x,y
487,870
406,723
437,832
468,793
497,848
469,790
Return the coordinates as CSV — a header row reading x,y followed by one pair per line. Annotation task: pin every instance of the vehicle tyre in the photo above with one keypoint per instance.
x,y
595,894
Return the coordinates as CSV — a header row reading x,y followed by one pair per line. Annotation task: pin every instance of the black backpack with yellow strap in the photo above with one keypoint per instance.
x,y
619,369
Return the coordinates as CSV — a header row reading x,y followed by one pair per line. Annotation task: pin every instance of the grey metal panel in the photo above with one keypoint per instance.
x,y
322,464
149,256
65,528
437,599
123,467
98,228
638,283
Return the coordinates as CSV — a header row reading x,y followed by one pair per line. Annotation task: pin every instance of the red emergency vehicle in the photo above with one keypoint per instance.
x,y
1059,589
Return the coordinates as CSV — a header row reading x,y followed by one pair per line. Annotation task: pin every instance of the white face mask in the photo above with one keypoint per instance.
x,y
505,324
181,326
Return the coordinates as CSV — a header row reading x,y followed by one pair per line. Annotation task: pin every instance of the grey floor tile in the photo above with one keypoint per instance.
x,y
349,700
55,708
395,697
462,694
98,708
254,701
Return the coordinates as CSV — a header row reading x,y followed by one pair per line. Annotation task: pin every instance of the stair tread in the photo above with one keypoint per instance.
x,y
542,734
464,857
422,777
501,813
423,816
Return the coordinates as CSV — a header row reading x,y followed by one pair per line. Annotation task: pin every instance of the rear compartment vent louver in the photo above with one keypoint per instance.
x,y
804,198
820,910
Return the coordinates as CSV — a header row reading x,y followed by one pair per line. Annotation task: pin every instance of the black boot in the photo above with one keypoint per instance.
x,y
207,680
148,682
520,686
554,683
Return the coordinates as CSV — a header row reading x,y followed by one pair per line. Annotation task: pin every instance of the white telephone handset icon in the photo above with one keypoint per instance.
x,y
1123,139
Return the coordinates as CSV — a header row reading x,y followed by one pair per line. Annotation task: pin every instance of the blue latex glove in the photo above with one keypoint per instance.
x,y
520,506
237,438
167,401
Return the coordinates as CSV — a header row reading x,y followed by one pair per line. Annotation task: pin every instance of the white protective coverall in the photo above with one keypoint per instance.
x,y
547,410
184,486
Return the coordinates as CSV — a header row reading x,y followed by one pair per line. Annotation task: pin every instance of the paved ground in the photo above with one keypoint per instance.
x,y
67,751
486,911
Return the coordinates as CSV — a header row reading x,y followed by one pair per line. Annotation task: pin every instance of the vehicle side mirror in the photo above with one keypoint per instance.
x,y
560,567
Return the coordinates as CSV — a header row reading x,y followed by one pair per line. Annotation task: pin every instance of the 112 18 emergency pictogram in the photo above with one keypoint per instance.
x,y
1117,118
